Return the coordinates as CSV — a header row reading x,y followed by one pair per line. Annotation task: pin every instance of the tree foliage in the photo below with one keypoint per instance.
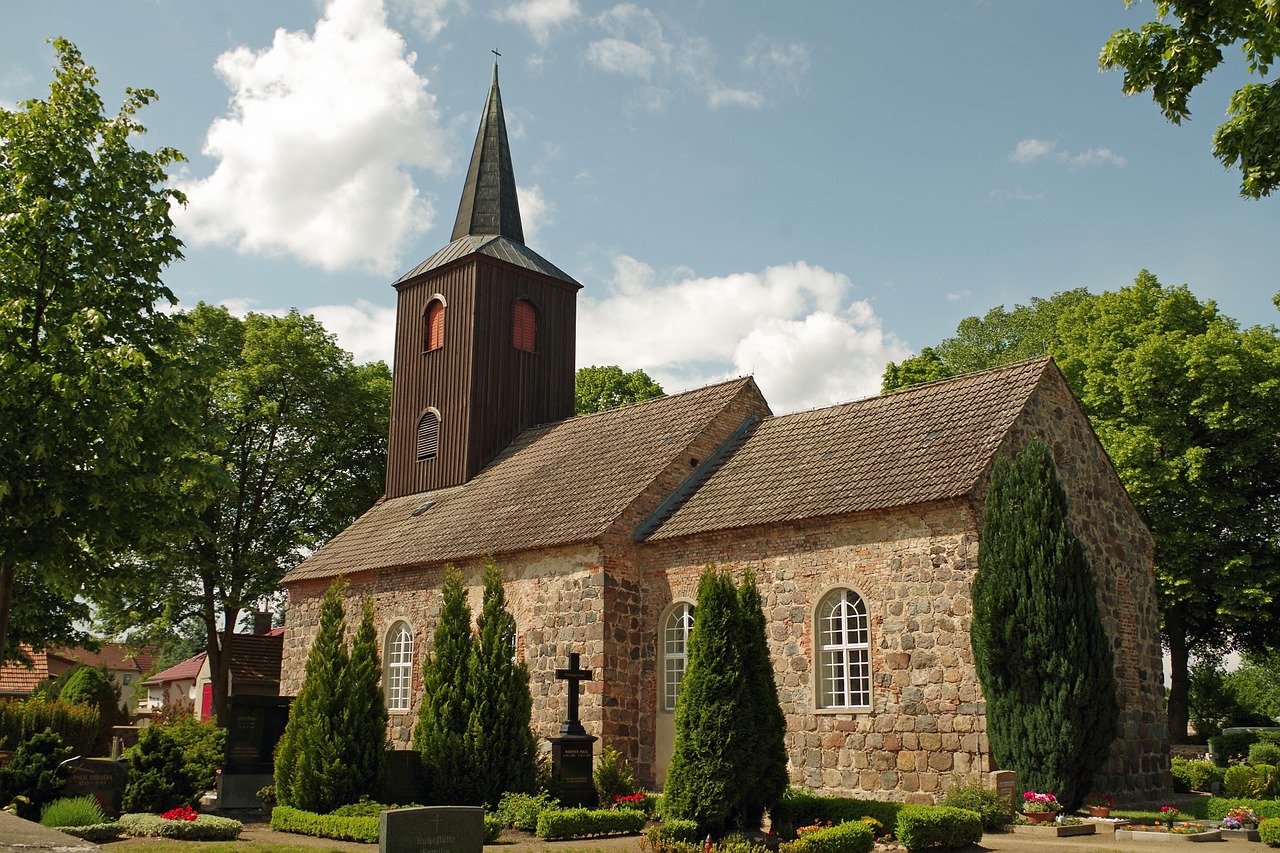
x,y
599,388
1039,647
502,705
442,734
1183,401
295,434
1170,59
765,774
94,390
365,722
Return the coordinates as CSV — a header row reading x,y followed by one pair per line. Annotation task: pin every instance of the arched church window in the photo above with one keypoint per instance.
x,y
398,666
434,325
844,651
428,435
675,652
524,326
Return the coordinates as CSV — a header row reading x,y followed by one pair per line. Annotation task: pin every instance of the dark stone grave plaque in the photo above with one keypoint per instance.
x,y
254,727
573,752
432,829
100,778
404,782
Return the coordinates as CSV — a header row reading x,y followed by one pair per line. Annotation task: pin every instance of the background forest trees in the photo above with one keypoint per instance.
x,y
599,388
1183,400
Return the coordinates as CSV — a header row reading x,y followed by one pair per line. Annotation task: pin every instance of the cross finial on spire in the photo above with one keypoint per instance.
x,y
494,52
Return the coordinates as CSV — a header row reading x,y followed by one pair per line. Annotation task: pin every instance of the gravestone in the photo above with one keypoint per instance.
x,y
254,727
573,752
1005,783
100,778
432,829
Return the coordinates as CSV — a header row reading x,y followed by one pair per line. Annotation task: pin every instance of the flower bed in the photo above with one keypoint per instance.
x,y
1183,832
203,828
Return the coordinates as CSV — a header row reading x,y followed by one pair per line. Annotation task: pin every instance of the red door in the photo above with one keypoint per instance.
x,y
206,703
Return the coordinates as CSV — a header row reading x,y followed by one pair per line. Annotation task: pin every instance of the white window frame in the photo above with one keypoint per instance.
x,y
676,628
842,636
398,667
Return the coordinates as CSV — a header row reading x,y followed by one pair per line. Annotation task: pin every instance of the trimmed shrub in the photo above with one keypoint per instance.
x,y
995,810
521,810
204,828
1041,652
673,830
851,837
20,720
1261,752
92,686
493,826
97,833
586,823
72,811
801,808
202,745
764,765
363,828
33,773
1243,782
441,734
937,826
1233,746
158,777
1216,808
1193,774
363,731
1269,832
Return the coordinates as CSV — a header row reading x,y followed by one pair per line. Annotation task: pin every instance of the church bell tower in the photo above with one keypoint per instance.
x,y
484,333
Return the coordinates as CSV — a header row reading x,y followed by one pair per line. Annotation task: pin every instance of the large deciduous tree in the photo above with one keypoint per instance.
x,y
1039,647
1172,55
599,388
93,393
1183,400
296,436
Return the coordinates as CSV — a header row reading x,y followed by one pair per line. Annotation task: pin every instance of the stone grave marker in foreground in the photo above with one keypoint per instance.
x,y
432,829
1005,783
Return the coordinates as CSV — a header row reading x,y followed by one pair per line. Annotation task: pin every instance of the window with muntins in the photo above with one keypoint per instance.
x,y
675,652
524,326
398,677
434,323
844,651
428,435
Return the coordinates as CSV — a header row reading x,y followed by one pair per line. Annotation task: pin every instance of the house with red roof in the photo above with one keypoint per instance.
x,y
255,671
124,663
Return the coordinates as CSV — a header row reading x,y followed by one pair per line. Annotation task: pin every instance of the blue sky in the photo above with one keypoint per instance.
x,y
802,191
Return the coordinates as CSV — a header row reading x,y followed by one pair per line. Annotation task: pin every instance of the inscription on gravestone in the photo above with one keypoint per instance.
x,y
100,778
432,829
1005,783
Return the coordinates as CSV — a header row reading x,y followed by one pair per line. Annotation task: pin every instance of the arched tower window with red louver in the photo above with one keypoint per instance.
x,y
524,326
434,323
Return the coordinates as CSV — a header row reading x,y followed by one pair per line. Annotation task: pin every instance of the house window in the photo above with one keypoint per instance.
x,y
675,652
844,651
434,325
524,326
399,665
428,435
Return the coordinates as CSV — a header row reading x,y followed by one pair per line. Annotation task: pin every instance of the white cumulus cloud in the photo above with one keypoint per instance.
x,y
428,17
539,17
536,212
1030,150
619,56
796,327
315,151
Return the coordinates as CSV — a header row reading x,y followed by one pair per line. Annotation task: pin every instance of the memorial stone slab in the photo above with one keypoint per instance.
x,y
432,829
100,778
1005,783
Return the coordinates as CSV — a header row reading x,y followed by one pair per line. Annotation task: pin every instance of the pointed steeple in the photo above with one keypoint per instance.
x,y
489,205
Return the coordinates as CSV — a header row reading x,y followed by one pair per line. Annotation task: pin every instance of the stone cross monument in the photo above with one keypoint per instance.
x,y
573,751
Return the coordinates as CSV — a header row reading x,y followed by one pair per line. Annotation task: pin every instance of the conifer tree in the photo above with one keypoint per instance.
x,y
309,769
705,778
764,774
500,739
441,734
1039,646
365,720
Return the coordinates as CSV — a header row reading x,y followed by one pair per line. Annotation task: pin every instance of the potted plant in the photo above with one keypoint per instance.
x,y
1100,804
1040,808
1169,814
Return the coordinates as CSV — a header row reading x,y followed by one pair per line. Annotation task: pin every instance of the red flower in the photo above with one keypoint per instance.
x,y
183,813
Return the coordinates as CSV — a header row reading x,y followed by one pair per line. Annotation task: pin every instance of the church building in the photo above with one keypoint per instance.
x,y
861,522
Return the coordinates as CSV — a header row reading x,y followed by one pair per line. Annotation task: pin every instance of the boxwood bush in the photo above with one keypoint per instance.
x,y
363,828
1236,745
800,808
204,828
493,826
521,810
1193,774
584,823
671,835
1269,832
852,837
937,826
995,810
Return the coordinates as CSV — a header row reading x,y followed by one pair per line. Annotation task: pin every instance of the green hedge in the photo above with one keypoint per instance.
x,y
94,833
1194,774
584,823
1234,745
852,837
800,808
77,725
521,810
204,828
359,828
493,826
941,826
672,834
1217,807
1269,832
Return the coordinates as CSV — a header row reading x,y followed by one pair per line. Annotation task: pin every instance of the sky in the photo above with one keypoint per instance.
x,y
799,191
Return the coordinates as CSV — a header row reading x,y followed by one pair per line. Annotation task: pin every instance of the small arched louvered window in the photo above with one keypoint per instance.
x,y
844,651
397,676
434,322
428,435
524,326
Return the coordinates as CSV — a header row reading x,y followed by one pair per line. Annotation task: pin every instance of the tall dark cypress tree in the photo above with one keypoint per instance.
x,y
500,739
764,774
310,769
1040,649
364,733
444,714
704,781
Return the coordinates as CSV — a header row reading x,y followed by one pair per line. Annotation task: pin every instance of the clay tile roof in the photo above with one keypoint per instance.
x,y
114,656
187,670
919,444
256,658
556,484
17,680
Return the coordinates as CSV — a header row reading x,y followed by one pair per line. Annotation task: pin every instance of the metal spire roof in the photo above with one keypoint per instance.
x,y
489,205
